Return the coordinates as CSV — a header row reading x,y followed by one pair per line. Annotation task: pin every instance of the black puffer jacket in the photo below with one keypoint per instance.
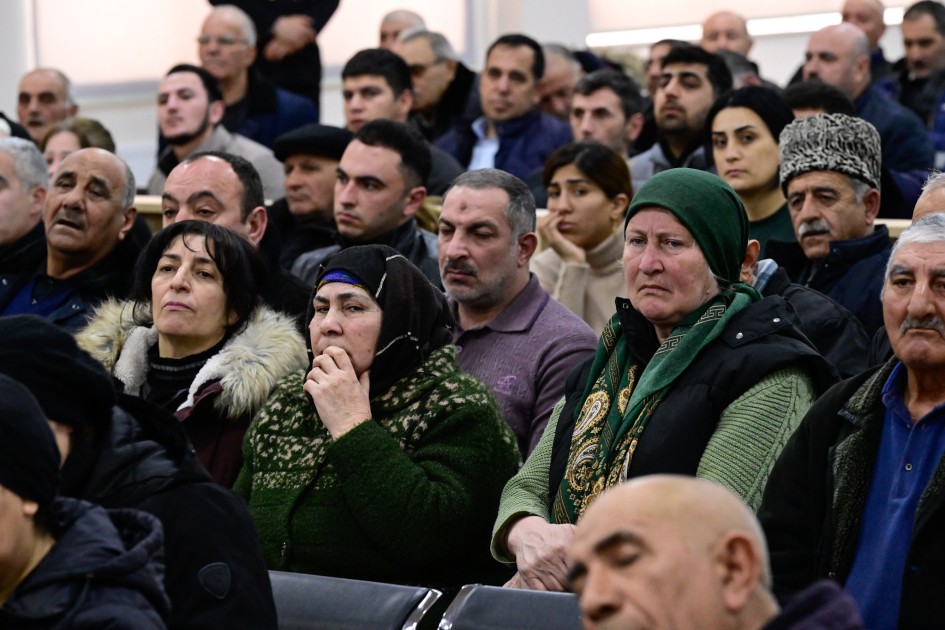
x,y
216,576
103,572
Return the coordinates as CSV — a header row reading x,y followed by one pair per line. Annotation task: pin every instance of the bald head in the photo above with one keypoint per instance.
x,y
866,15
839,55
671,551
726,31
397,22
44,98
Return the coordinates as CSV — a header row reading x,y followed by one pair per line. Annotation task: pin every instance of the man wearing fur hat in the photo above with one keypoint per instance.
x,y
830,175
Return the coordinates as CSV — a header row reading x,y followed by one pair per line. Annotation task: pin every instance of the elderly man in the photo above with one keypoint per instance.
x,y
190,115
725,30
23,183
378,191
509,332
562,71
305,217
395,23
830,175
45,98
88,213
607,107
840,56
445,91
856,495
868,16
690,81
225,189
255,107
699,560
512,134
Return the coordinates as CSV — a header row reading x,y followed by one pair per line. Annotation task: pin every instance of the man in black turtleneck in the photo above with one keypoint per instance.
x,y
690,81
378,191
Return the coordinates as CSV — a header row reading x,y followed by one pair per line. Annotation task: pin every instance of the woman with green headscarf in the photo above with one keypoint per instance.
x,y
695,374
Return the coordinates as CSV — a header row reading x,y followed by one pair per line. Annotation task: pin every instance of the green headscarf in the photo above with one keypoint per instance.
x,y
708,207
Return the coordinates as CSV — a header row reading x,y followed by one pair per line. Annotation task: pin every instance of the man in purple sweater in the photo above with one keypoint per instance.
x,y
510,333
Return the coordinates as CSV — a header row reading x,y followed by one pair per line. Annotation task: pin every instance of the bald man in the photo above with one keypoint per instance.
x,y
726,31
44,98
666,551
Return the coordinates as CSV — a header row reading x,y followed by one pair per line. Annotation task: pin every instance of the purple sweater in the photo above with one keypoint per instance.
x,y
524,355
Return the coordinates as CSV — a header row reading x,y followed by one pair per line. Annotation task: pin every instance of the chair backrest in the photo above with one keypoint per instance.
x,y
327,603
479,607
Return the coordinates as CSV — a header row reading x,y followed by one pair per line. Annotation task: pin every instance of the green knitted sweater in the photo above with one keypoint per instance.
x,y
408,497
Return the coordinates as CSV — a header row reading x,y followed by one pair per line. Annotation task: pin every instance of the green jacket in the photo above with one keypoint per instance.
x,y
407,498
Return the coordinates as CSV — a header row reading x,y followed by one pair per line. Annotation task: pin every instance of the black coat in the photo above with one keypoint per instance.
x,y
103,572
216,576
817,491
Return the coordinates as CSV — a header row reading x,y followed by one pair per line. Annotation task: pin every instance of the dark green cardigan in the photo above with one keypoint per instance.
x,y
408,498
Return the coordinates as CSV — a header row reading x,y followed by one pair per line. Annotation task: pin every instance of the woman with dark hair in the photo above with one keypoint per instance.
x,y
588,191
384,461
743,130
196,340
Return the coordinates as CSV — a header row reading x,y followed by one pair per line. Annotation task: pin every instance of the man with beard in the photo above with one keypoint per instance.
x,y
830,174
45,98
88,213
509,332
690,81
856,494
190,111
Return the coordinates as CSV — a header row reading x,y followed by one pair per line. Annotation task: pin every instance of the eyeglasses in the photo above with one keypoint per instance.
x,y
419,69
223,40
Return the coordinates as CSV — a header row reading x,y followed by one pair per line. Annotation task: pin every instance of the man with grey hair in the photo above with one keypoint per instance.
x,y
830,175
839,55
562,72
509,332
445,91
395,23
23,183
255,107
857,493
700,561
44,98
87,216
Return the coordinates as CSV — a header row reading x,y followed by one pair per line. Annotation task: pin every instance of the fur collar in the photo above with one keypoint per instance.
x,y
247,367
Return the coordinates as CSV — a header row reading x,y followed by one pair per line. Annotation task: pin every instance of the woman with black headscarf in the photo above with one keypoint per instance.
x,y
383,462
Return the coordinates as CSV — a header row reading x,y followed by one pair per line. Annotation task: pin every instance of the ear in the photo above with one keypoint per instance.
x,y
404,104
73,110
30,508
215,112
450,68
618,208
752,252
251,54
871,203
128,221
256,222
527,244
739,564
38,195
414,200
634,126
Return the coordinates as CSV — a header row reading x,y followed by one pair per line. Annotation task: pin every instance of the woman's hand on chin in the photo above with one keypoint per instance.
x,y
340,396
568,251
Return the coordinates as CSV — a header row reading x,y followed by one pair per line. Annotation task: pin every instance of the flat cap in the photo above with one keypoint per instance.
x,y
314,139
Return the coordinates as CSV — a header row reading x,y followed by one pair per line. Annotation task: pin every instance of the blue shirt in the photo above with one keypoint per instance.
x,y
908,455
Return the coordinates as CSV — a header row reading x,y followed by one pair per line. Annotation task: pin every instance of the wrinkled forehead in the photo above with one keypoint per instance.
x,y
89,164
43,81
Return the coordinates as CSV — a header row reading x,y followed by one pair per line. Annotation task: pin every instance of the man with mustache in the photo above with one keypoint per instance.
x,y
690,81
857,493
88,213
509,332
45,98
830,175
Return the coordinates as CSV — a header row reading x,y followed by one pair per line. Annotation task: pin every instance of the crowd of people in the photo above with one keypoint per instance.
x,y
703,388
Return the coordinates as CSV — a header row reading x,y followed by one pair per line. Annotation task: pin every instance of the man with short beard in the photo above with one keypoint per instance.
x,y
190,111
830,175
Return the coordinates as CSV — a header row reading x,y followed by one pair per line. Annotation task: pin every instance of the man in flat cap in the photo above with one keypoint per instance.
x,y
830,175
305,217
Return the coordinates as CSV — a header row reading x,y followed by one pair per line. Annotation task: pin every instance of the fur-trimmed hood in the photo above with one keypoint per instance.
x,y
247,368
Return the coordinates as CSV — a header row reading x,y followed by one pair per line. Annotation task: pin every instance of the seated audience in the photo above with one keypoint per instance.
x,y
699,560
581,266
88,214
190,115
510,333
255,107
830,174
66,563
195,340
45,98
856,494
680,376
743,130
128,453
71,134
22,241
382,461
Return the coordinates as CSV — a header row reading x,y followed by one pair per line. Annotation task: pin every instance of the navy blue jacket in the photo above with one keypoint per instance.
x,y
524,143
267,112
103,572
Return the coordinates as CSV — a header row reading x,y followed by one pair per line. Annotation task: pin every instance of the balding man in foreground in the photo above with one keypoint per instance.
x,y
666,551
